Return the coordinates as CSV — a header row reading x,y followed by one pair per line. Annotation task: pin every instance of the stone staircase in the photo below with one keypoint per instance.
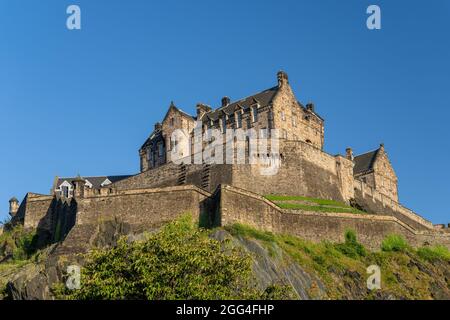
x,y
206,176
182,175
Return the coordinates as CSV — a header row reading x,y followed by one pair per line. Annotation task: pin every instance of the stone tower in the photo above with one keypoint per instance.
x,y
13,206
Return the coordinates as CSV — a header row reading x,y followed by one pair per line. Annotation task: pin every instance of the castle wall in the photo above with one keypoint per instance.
x,y
142,209
131,212
240,206
305,170
170,174
36,211
374,201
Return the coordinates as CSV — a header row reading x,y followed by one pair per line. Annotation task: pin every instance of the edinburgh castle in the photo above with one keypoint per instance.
x,y
358,192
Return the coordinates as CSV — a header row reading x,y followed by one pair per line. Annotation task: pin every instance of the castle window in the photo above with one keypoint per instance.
x,y
308,141
294,121
239,120
263,133
65,191
160,149
255,113
285,134
172,121
283,116
294,137
224,123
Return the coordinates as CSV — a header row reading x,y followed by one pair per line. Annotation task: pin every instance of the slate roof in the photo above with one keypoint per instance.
x,y
264,98
364,162
155,134
95,181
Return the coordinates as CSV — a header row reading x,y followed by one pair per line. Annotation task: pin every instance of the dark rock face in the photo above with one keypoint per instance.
x,y
271,265
275,267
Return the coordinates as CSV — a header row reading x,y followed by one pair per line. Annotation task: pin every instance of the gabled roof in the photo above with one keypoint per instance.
x,y
95,181
174,107
364,162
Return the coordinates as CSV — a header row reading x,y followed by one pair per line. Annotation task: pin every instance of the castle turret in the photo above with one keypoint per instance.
x,y
13,206
78,185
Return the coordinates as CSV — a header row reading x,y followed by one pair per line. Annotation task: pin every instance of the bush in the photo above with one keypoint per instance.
x,y
351,247
434,253
17,244
178,262
394,243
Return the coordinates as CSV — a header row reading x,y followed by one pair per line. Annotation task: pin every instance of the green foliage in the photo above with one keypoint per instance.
x,y
435,253
351,247
299,198
18,244
238,229
178,262
312,204
394,243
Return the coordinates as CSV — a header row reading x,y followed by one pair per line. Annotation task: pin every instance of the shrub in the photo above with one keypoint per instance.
x,y
178,262
394,243
17,244
434,253
351,247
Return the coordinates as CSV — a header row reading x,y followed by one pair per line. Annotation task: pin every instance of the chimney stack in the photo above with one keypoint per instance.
x,y
225,101
78,184
349,153
310,106
158,126
282,78
13,206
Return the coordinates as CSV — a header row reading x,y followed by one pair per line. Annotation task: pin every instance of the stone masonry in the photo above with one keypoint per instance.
x,y
220,194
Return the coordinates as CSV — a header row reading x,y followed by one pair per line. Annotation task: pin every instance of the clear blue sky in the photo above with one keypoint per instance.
x,y
84,101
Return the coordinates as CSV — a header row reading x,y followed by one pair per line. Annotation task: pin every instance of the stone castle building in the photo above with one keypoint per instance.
x,y
219,194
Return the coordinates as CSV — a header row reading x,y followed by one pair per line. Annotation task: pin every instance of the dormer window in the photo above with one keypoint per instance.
x,y
65,191
172,121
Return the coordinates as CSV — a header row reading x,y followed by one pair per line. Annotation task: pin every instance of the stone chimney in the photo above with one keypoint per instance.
x,y
158,126
78,185
202,109
349,153
13,206
310,107
225,101
282,78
